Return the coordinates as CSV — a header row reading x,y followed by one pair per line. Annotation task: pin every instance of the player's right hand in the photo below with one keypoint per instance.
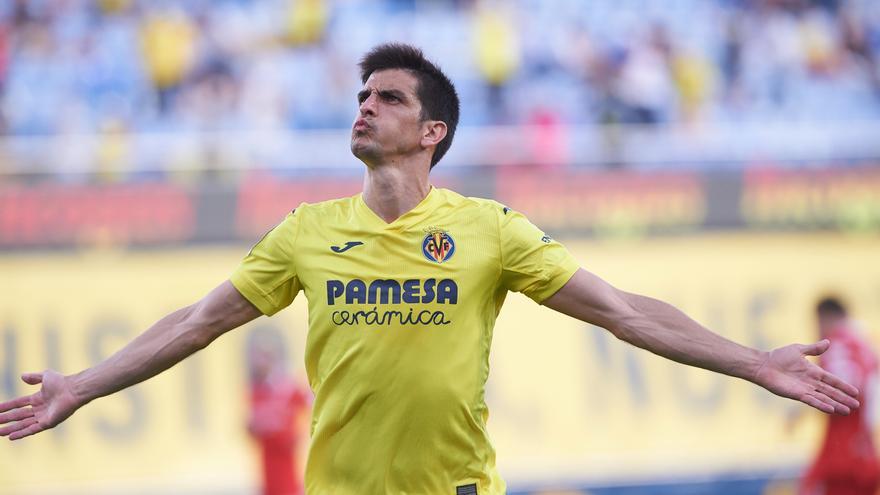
x,y
45,409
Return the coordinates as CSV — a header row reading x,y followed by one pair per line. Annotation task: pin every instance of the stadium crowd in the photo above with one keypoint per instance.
x,y
76,66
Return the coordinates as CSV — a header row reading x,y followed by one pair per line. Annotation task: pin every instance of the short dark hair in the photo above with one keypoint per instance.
x,y
830,306
435,91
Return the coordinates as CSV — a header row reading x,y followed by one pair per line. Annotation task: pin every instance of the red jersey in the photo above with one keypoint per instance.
x,y
275,405
847,457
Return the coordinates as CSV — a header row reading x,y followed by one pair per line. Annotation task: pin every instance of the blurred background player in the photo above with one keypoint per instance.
x,y
277,407
847,462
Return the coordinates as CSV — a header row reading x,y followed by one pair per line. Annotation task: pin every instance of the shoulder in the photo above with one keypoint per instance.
x,y
489,209
480,206
324,209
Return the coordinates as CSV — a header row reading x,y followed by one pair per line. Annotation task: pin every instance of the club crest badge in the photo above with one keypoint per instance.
x,y
438,246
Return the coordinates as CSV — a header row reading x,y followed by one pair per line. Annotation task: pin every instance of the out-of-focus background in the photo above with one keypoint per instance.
x,y
722,155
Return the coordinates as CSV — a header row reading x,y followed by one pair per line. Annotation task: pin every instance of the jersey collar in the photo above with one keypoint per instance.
x,y
417,214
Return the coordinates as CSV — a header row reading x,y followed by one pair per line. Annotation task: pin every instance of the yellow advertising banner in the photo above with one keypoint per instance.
x,y
567,401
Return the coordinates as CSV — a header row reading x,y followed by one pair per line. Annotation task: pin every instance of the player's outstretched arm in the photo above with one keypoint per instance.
x,y
160,347
664,330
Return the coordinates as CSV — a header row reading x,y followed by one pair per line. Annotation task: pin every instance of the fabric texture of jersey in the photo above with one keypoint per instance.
x,y
400,325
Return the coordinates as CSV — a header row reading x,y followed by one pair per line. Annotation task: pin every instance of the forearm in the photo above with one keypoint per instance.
x,y
160,347
664,330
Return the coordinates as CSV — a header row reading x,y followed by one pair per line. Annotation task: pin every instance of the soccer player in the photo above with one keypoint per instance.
x,y
847,462
276,405
404,282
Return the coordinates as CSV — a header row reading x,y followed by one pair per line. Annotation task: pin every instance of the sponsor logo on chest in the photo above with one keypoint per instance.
x,y
437,246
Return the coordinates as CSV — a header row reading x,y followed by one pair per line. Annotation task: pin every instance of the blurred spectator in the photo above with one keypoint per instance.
x,y
306,21
858,52
168,38
547,139
277,407
73,66
497,54
5,36
694,81
847,462
731,62
644,84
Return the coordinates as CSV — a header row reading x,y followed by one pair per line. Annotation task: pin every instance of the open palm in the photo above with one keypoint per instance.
x,y
786,372
45,409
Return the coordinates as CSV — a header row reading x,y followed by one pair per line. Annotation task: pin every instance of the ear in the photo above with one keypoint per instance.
x,y
432,133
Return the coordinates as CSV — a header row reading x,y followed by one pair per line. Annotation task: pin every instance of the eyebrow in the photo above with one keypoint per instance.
x,y
384,93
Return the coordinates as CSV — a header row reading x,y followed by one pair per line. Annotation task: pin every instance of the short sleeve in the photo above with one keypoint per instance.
x,y
532,262
267,275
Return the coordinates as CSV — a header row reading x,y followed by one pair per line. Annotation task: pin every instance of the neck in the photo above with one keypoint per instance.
x,y
392,190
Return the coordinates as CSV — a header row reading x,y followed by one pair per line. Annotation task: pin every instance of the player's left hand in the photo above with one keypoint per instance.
x,y
788,373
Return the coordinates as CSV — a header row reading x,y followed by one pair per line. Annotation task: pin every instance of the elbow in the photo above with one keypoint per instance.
x,y
620,330
621,317
200,338
196,332
626,327
202,333
638,321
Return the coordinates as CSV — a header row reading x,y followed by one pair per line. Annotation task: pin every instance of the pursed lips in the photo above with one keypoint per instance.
x,y
361,125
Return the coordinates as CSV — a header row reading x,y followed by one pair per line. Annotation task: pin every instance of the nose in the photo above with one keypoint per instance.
x,y
368,106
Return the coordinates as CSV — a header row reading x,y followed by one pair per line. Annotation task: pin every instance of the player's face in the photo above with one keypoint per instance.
x,y
388,123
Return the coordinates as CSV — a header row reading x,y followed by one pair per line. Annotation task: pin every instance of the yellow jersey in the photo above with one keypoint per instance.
x,y
400,325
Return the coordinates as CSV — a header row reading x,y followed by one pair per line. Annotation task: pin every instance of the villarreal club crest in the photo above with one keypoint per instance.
x,y
438,246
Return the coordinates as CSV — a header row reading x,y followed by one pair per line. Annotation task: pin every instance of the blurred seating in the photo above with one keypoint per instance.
x,y
180,66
